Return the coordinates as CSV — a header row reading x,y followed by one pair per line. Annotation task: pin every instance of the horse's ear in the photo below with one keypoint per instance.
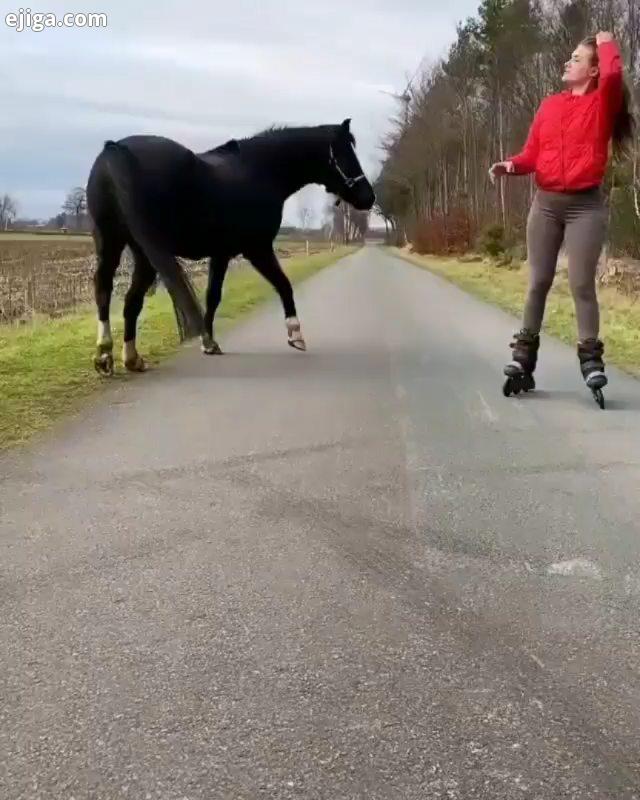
x,y
346,125
231,146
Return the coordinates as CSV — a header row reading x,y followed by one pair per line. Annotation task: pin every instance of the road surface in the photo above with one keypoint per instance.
x,y
359,572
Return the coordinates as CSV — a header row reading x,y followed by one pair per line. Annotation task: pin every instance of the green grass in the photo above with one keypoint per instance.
x,y
506,288
46,369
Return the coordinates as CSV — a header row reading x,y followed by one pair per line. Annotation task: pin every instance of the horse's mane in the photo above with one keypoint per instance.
x,y
280,134
285,131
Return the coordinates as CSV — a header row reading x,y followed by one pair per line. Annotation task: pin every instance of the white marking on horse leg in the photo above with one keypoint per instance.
x,y
104,333
294,333
131,358
129,351
103,359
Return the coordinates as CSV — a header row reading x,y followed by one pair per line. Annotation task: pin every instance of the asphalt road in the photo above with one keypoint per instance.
x,y
356,572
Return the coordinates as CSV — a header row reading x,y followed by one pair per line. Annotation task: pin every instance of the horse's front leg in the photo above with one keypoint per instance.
x,y
267,264
217,270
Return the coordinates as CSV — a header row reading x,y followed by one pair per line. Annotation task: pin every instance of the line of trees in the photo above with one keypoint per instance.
x,y
345,224
73,213
476,106
342,223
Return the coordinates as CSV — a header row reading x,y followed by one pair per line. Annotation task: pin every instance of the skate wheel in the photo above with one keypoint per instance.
x,y
516,385
528,383
507,387
599,397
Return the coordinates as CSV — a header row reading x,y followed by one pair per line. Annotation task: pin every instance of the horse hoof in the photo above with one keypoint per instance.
x,y
298,344
103,363
136,364
211,349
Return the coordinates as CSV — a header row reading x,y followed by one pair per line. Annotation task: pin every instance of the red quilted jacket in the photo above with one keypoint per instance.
x,y
568,144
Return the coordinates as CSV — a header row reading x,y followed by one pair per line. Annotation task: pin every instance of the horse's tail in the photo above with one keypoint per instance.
x,y
123,166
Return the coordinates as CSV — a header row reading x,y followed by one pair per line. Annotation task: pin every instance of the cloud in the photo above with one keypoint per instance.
x,y
201,73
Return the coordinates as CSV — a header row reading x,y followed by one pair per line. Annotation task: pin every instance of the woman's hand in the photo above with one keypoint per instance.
x,y
603,37
500,169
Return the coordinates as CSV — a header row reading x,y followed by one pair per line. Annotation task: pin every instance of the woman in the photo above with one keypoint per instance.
x,y
568,150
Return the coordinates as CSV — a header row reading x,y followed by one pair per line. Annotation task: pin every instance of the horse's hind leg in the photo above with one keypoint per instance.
x,y
142,280
217,270
267,264
109,242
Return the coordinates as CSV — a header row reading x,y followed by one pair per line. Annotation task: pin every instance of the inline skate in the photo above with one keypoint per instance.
x,y
520,370
590,352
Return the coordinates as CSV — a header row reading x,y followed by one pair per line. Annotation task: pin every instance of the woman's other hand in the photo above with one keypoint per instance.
x,y
603,37
500,169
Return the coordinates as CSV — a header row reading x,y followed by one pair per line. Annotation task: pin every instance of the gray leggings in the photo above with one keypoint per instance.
x,y
580,219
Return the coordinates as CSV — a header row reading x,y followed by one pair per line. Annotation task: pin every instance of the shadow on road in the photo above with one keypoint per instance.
x,y
271,366
613,403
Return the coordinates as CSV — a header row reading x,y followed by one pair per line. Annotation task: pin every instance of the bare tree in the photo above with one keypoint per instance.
x,y
345,223
8,210
75,204
304,215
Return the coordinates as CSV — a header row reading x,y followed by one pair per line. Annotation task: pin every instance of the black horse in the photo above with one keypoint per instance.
x,y
164,200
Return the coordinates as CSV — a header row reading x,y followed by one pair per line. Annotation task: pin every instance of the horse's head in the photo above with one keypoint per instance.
x,y
344,175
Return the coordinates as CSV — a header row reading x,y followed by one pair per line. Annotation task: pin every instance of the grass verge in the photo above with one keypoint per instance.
x,y
506,288
46,369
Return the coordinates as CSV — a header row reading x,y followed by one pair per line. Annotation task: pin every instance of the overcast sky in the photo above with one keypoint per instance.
x,y
202,72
